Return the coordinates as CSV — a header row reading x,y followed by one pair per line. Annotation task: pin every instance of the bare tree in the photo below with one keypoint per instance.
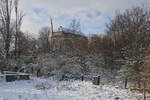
x,y
44,42
75,26
18,23
5,18
95,44
28,44
129,32
51,22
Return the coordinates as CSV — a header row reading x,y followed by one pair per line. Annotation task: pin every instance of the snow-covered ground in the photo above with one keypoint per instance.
x,y
64,90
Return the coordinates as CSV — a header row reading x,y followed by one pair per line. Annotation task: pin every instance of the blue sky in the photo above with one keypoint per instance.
x,y
93,14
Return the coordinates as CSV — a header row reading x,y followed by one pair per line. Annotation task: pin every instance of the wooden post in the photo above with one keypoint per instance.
x,y
126,83
96,80
82,78
62,78
38,72
144,94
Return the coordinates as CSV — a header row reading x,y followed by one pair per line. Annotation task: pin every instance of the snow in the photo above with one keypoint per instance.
x,y
48,89
2,78
67,30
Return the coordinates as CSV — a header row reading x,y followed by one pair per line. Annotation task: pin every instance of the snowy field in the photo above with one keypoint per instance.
x,y
42,89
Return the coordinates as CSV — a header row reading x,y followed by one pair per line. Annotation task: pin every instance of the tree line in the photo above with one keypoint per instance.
x,y
126,42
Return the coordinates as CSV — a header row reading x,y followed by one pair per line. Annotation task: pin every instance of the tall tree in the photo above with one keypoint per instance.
x,y
5,18
75,26
51,23
129,32
44,42
18,23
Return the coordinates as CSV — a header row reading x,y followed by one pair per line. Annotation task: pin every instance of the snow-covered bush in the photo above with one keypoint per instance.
x,y
7,65
60,66
64,66
127,73
43,86
72,71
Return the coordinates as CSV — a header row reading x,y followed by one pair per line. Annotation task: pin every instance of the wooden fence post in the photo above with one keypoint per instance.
x,y
96,80
144,94
82,78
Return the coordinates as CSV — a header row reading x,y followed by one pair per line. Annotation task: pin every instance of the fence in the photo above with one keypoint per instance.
x,y
8,76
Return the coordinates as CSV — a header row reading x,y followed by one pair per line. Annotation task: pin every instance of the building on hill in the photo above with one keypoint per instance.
x,y
66,40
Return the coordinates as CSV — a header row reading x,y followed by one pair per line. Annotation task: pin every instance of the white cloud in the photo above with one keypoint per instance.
x,y
73,9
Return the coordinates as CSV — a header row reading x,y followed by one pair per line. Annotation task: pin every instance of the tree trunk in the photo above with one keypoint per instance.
x,y
38,72
139,84
144,90
82,78
126,83
8,35
7,45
